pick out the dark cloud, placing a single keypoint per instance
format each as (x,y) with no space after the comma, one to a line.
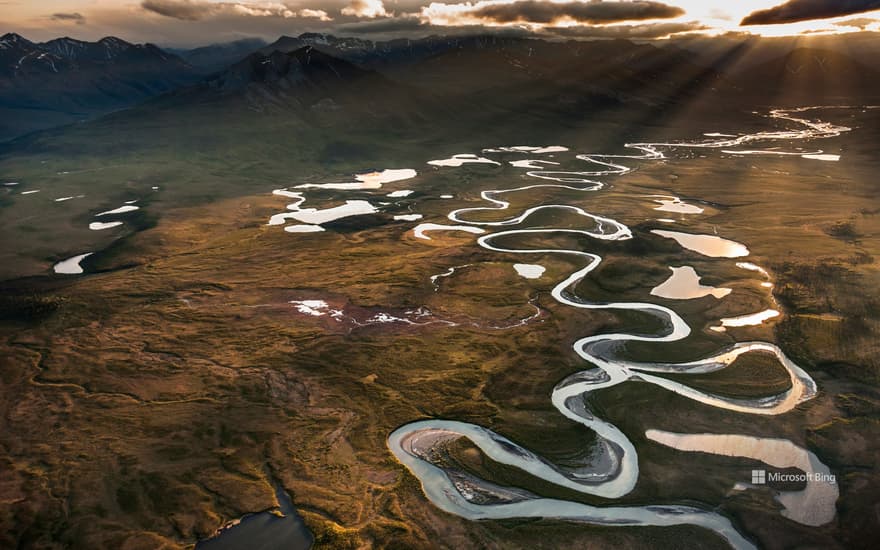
(196,10)
(69,17)
(414,27)
(185,10)
(536,11)
(629,32)
(805,10)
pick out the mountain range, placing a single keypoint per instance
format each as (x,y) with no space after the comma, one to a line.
(304,82)
(66,80)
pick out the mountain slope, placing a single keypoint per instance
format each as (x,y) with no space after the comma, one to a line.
(217,57)
(20,57)
(303,82)
(808,75)
(389,54)
(463,65)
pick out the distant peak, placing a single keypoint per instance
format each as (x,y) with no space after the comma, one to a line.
(15,41)
(13,37)
(113,41)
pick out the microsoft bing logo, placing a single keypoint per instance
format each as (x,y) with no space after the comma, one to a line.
(761,477)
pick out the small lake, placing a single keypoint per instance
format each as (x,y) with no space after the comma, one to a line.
(264,530)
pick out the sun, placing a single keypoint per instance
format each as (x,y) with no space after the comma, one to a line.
(724,16)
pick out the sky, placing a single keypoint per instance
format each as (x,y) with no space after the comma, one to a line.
(197,22)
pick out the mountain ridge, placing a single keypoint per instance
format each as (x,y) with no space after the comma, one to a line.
(66,80)
(479,73)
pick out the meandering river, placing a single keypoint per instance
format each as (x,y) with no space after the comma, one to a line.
(613,468)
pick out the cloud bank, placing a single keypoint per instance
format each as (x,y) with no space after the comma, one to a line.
(195,10)
(805,10)
(537,12)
